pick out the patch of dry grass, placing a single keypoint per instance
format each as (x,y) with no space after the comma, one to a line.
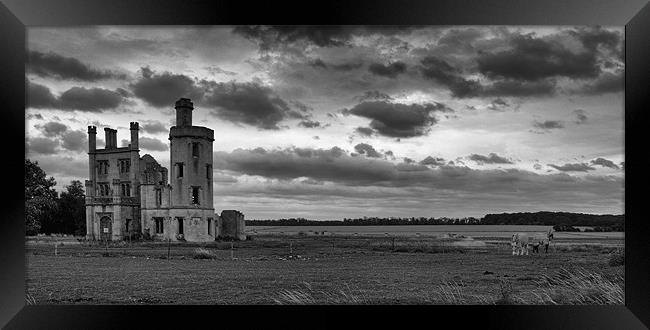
(579,287)
(307,295)
(202,253)
(617,258)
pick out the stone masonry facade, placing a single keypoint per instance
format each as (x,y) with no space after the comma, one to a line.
(128,195)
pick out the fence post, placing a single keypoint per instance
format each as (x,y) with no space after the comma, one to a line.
(232,251)
(290,248)
(169,246)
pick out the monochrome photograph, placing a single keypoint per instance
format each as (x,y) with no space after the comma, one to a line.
(325,165)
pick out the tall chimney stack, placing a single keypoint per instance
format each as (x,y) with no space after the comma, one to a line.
(92,138)
(134,135)
(107,138)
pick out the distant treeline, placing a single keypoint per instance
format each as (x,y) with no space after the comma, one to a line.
(601,222)
(554,218)
(365,221)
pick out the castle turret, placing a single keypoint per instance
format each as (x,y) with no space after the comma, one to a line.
(184,108)
(191,175)
(191,159)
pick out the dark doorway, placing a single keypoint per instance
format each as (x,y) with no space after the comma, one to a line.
(180,225)
(105,228)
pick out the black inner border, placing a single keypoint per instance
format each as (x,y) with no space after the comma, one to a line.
(16,15)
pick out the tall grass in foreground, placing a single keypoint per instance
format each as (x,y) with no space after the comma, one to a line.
(307,295)
(566,287)
(579,287)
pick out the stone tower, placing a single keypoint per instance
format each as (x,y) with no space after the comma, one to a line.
(191,174)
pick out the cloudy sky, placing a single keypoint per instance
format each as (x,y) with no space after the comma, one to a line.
(352,121)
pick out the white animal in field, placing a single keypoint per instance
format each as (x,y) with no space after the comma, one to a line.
(522,243)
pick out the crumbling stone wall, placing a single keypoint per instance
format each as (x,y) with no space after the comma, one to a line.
(232,225)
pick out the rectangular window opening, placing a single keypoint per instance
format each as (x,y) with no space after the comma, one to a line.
(208,171)
(209,226)
(124,165)
(195,149)
(103,166)
(195,195)
(180,170)
(180,225)
(159,225)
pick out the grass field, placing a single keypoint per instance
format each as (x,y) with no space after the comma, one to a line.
(339,269)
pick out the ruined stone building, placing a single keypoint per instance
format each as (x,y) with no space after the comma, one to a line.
(128,195)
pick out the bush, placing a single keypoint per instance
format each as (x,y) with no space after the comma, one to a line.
(202,253)
(617,258)
(565,228)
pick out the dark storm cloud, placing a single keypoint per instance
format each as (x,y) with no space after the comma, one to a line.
(437,69)
(271,37)
(368,150)
(578,167)
(43,146)
(592,37)
(517,88)
(163,89)
(246,103)
(534,59)
(374,96)
(33,116)
(350,172)
(39,96)
(151,144)
(498,105)
(154,126)
(250,103)
(548,124)
(217,70)
(390,70)
(604,162)
(605,83)
(89,99)
(492,158)
(75,98)
(268,37)
(437,161)
(74,140)
(61,67)
(581,116)
(52,128)
(310,124)
(319,63)
(442,72)
(399,120)
(364,131)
